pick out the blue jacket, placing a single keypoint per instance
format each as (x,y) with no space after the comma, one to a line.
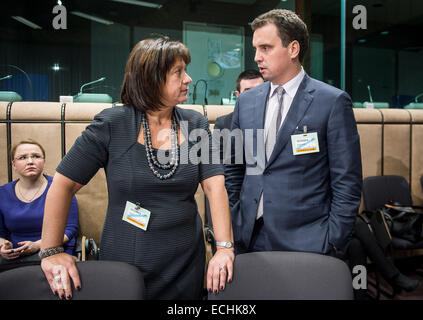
(310,201)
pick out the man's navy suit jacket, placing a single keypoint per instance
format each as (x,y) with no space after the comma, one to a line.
(224,122)
(310,201)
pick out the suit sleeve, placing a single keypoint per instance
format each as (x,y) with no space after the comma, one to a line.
(234,172)
(217,138)
(345,171)
(218,124)
(210,167)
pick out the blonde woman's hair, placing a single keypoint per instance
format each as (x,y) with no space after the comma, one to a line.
(25,141)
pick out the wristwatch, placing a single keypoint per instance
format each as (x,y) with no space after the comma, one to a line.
(50,252)
(226,244)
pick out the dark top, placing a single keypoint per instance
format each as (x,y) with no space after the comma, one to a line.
(221,123)
(171,252)
(224,122)
(23,221)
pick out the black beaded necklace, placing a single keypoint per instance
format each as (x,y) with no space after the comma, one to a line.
(151,157)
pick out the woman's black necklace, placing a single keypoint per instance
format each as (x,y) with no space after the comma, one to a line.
(151,157)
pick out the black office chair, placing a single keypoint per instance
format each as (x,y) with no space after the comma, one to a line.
(379,190)
(421,181)
(101,280)
(276,275)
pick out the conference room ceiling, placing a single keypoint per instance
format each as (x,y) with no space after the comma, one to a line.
(391,23)
(40,11)
(170,16)
(387,11)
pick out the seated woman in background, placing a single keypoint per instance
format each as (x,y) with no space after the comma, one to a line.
(22,208)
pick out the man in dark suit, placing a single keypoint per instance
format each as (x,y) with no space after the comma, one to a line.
(301,175)
(246,80)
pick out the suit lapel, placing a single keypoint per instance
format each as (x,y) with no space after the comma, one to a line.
(260,106)
(258,113)
(299,106)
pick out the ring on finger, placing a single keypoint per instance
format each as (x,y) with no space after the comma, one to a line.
(222,269)
(57,278)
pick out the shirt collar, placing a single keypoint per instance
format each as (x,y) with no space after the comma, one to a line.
(291,86)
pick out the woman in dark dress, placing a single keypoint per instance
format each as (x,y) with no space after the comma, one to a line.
(149,152)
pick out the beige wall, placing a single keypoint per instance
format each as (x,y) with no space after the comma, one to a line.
(391,143)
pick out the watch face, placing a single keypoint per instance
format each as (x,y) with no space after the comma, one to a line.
(226,244)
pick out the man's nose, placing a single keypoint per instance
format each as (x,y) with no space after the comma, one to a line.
(257,57)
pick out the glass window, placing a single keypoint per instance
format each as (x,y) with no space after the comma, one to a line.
(325,45)
(50,54)
(385,61)
(46,54)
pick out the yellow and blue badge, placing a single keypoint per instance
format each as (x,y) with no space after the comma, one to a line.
(136,215)
(305,143)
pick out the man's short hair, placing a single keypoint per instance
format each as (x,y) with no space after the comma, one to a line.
(290,27)
(247,75)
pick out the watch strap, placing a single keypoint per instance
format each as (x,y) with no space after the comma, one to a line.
(226,244)
(50,252)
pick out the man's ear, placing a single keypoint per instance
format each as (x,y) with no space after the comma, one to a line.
(294,49)
(237,93)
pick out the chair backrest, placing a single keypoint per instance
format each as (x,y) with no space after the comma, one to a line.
(279,275)
(101,280)
(379,190)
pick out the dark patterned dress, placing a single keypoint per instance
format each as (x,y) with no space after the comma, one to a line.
(170,253)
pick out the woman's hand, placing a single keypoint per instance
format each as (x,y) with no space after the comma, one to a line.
(7,252)
(57,269)
(220,269)
(28,247)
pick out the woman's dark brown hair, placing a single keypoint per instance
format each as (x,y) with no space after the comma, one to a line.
(146,69)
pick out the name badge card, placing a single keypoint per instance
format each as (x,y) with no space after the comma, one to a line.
(305,143)
(136,215)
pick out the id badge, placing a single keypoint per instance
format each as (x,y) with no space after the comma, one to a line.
(136,215)
(305,143)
